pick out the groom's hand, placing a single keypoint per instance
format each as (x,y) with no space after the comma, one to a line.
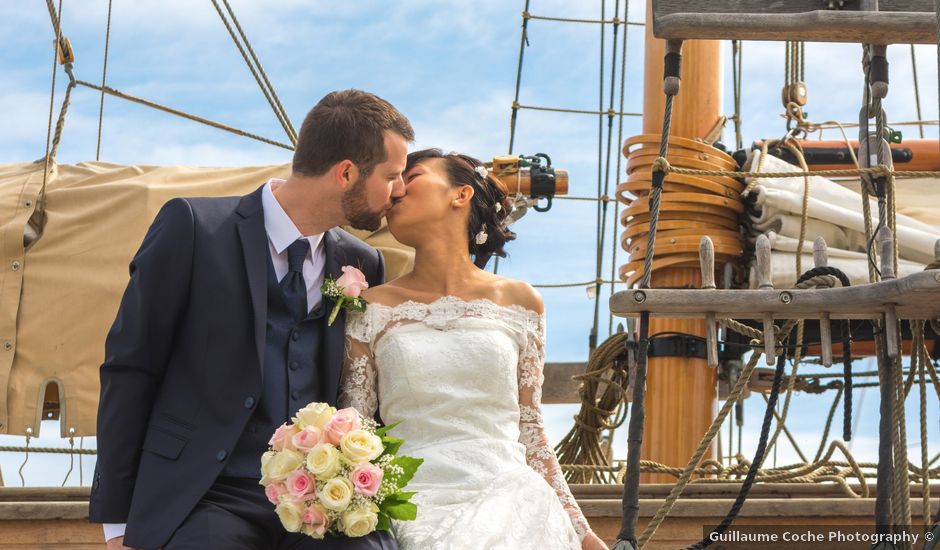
(117,543)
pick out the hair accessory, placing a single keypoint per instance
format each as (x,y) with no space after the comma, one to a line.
(482,236)
(482,171)
(499,207)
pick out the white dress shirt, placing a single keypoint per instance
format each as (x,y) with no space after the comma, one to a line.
(281,233)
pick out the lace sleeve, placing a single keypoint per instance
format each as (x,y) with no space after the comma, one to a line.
(359,384)
(539,454)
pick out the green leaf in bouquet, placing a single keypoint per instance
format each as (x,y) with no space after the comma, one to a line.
(392,444)
(385,524)
(402,511)
(409,465)
(382,430)
(400,496)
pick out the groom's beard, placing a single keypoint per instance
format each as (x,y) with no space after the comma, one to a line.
(356,207)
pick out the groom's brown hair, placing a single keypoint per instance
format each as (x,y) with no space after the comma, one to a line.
(347,125)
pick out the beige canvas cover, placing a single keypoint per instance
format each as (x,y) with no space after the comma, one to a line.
(59,295)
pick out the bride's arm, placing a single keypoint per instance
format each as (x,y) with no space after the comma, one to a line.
(358,386)
(539,454)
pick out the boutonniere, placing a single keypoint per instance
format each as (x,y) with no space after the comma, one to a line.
(345,291)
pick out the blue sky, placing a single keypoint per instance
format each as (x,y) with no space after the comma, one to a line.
(449,66)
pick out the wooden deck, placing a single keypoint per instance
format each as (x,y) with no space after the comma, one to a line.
(57,518)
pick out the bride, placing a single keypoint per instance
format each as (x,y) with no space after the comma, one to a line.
(456,354)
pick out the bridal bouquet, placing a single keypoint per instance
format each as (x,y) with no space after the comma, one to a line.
(335,471)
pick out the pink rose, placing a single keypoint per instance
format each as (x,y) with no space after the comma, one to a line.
(366,478)
(281,439)
(352,281)
(299,484)
(274,491)
(315,521)
(343,421)
(305,439)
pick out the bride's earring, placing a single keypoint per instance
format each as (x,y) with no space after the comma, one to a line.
(482,236)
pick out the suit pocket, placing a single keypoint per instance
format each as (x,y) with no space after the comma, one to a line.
(163,443)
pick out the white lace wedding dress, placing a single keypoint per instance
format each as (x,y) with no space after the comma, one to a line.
(464,378)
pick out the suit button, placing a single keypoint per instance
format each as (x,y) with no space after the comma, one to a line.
(220,456)
(295,395)
(249,402)
(294,365)
(294,336)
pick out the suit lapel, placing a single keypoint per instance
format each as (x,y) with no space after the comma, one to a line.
(254,243)
(334,342)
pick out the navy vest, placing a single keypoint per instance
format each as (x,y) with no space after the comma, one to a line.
(290,378)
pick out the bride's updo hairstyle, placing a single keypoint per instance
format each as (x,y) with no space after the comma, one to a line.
(489,208)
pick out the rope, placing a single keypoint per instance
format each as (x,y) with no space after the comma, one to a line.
(603,392)
(523,41)
(40,203)
(786,431)
(194,118)
(52,450)
(656,191)
(616,217)
(920,127)
(758,459)
(615,21)
(705,444)
(601,180)
(104,81)
(920,350)
(609,112)
(663,165)
(737,72)
(258,73)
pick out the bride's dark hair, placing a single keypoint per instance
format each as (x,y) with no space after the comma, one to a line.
(489,207)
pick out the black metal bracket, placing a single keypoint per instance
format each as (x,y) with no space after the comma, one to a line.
(677,345)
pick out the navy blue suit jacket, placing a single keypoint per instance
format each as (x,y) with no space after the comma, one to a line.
(182,366)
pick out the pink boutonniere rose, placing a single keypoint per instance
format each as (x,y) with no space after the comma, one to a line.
(345,291)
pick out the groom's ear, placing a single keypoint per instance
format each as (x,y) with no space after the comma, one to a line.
(345,173)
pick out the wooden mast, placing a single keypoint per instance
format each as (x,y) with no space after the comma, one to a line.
(680,391)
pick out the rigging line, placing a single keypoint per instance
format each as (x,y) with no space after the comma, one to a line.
(603,204)
(40,203)
(616,20)
(600,219)
(616,217)
(264,75)
(737,52)
(516,105)
(920,127)
(280,116)
(585,283)
(172,111)
(523,42)
(104,81)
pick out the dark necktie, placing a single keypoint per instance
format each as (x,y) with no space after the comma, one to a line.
(292,285)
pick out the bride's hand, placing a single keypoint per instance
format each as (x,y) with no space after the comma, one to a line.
(592,542)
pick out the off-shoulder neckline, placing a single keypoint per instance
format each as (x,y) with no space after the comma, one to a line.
(451,298)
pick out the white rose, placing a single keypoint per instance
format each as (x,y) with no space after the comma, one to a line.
(336,494)
(314,414)
(323,460)
(289,514)
(361,446)
(266,467)
(359,522)
(281,465)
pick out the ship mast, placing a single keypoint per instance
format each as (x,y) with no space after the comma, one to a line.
(680,391)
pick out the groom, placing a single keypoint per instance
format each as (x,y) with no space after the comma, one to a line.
(221,336)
